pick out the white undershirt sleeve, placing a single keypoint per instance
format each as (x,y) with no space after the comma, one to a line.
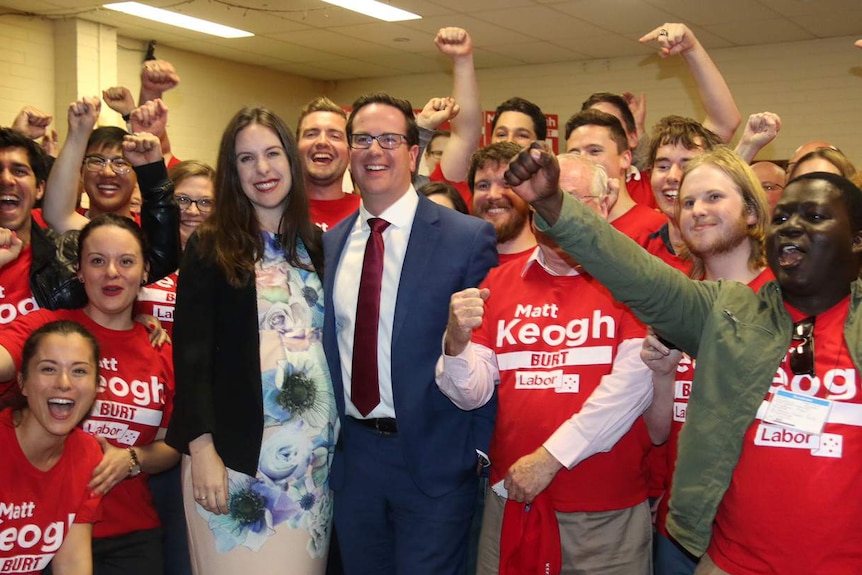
(610,411)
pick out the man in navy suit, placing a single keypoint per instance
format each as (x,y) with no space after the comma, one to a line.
(405,468)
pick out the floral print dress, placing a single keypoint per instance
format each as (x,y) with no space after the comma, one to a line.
(279,520)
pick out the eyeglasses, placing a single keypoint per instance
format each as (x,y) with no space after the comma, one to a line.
(580,198)
(386,141)
(119,166)
(802,347)
(204,205)
(435,153)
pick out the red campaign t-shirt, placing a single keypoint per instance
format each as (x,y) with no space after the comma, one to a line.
(462,187)
(682,391)
(640,190)
(326,214)
(159,299)
(554,338)
(639,223)
(135,399)
(517,256)
(794,503)
(37,508)
(16,299)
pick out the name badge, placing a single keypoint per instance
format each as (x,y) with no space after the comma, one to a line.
(798,411)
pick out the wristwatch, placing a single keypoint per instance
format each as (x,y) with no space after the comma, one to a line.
(134,464)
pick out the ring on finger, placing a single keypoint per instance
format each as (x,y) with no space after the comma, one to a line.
(662,32)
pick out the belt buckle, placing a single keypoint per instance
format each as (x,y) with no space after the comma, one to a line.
(379,429)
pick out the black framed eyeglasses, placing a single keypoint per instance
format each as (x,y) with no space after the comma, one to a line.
(802,347)
(386,141)
(119,166)
(204,205)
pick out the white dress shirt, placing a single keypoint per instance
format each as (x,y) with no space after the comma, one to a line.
(395,238)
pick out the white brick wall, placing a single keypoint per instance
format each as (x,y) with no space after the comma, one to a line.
(815,86)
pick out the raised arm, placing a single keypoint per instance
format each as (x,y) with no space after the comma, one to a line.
(466,373)
(152,117)
(457,45)
(658,294)
(32,122)
(722,115)
(159,212)
(61,192)
(760,130)
(120,100)
(157,77)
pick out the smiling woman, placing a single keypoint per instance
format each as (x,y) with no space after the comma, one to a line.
(47,461)
(134,400)
(257,424)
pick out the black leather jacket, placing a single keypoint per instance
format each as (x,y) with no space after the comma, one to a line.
(53,272)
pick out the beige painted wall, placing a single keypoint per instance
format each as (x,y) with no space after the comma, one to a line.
(815,86)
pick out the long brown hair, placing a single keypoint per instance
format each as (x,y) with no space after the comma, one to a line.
(231,235)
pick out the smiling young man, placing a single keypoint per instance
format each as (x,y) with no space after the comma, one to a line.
(600,137)
(404,473)
(321,136)
(723,215)
(495,203)
(777,493)
(674,142)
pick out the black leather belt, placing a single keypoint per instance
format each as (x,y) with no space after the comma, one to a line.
(384,425)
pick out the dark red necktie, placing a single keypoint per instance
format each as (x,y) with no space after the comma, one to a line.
(364,387)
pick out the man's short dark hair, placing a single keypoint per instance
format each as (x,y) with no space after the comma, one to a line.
(107,137)
(319,104)
(383,98)
(680,131)
(851,195)
(617,102)
(496,153)
(593,117)
(517,104)
(10,138)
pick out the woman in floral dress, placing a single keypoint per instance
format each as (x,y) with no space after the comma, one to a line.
(254,409)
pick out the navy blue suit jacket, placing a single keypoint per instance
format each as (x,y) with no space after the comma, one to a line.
(447,252)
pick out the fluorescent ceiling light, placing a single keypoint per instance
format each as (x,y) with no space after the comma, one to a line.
(176,19)
(376,9)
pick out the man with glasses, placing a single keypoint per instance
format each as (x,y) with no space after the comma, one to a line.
(108,162)
(572,387)
(405,468)
(772,178)
(777,493)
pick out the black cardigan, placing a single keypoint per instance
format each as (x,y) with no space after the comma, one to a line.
(217,363)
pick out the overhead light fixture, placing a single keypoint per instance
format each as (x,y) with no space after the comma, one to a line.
(375,9)
(176,19)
